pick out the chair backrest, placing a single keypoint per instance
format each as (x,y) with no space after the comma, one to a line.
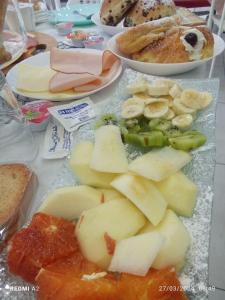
(192,3)
(220,31)
(211,14)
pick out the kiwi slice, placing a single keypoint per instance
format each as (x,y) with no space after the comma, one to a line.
(144,124)
(188,142)
(132,125)
(160,124)
(173,132)
(146,139)
(106,119)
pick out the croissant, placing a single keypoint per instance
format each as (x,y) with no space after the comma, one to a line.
(178,45)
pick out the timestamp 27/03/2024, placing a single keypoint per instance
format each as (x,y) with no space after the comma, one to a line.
(174,288)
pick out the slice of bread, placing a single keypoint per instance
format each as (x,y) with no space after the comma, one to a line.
(16,191)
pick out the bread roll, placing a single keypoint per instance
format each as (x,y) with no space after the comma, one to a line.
(149,10)
(181,44)
(112,11)
(139,37)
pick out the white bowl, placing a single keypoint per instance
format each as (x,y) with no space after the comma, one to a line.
(110,30)
(164,69)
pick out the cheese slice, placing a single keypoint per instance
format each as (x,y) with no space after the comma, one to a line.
(34,78)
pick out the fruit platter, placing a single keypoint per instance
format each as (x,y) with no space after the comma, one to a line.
(131,207)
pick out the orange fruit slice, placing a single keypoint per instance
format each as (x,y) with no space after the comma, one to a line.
(156,285)
(64,280)
(44,241)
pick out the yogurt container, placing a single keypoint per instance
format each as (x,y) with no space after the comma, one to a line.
(77,38)
(36,114)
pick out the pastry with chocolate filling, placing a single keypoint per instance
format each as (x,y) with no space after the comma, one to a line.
(113,11)
(149,10)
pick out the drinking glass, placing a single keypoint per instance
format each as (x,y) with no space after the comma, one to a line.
(16,139)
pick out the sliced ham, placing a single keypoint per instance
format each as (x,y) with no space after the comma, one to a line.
(62,82)
(89,72)
(79,62)
(105,78)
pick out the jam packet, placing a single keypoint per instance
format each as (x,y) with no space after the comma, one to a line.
(74,114)
(57,142)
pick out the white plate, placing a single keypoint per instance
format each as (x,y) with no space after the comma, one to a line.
(15,45)
(164,69)
(43,59)
(110,30)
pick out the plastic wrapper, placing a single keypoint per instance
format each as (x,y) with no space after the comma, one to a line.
(12,219)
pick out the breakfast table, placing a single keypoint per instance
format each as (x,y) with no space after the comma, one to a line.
(51,168)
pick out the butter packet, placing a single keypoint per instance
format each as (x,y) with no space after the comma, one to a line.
(74,114)
(57,141)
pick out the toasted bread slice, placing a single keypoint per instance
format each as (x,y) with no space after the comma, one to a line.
(16,189)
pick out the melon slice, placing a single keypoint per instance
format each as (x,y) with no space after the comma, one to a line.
(177,241)
(109,154)
(143,193)
(136,254)
(180,193)
(99,229)
(80,165)
(160,164)
(70,202)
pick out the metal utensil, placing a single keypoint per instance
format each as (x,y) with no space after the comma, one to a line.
(76,12)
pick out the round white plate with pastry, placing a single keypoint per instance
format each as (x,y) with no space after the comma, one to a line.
(54,75)
(14,47)
(165,48)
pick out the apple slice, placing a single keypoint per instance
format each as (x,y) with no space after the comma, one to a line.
(136,254)
(79,162)
(109,154)
(180,193)
(143,193)
(160,164)
(177,241)
(99,228)
(70,202)
(110,195)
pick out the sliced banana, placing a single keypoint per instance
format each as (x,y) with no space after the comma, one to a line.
(141,96)
(158,90)
(180,108)
(190,98)
(196,100)
(138,86)
(156,110)
(175,91)
(183,121)
(168,82)
(170,100)
(170,114)
(132,111)
(205,99)
(133,101)
(153,100)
